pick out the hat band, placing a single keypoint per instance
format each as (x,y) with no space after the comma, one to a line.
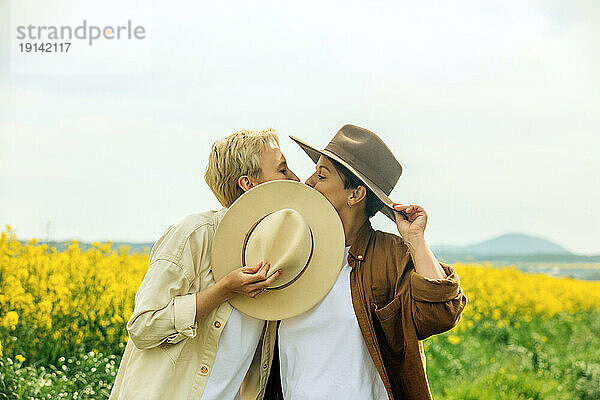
(312,247)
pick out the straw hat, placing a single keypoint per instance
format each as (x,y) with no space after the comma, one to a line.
(291,226)
(367,157)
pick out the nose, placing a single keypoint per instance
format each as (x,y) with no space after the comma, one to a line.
(311,181)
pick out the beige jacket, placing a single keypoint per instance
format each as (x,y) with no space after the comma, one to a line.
(169,355)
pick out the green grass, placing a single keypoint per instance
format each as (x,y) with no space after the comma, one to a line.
(554,359)
(83,376)
(550,359)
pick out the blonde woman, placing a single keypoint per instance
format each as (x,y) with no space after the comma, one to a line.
(185,340)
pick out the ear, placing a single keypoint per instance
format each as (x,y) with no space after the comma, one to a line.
(357,195)
(245,182)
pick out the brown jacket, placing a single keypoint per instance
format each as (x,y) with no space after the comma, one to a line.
(396,308)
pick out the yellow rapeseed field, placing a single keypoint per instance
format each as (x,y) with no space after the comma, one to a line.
(512,297)
(53,302)
(65,298)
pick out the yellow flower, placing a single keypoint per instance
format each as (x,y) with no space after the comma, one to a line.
(10,320)
(19,358)
(496,314)
(454,339)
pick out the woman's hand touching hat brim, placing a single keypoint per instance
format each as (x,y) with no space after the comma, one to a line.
(410,220)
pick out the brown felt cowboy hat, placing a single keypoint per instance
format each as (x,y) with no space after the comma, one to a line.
(294,228)
(367,157)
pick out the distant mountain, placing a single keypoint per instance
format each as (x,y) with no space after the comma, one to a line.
(133,247)
(511,248)
(514,244)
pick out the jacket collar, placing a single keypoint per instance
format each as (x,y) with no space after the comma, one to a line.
(358,248)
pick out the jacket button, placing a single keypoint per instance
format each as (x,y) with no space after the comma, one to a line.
(217,324)
(204,370)
(265,366)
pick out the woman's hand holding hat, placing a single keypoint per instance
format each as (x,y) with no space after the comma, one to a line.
(412,228)
(249,281)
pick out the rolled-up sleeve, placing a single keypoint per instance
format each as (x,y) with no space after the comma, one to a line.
(164,310)
(184,312)
(437,304)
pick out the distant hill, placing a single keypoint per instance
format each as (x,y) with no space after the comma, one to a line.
(509,244)
(508,259)
(144,247)
(511,247)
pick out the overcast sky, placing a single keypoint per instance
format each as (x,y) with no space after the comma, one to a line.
(492,108)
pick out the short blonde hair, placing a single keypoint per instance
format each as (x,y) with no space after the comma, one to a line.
(238,154)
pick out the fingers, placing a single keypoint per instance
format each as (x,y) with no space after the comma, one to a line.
(408,208)
(414,209)
(264,269)
(270,280)
(400,216)
(399,206)
(258,272)
(264,284)
(260,275)
(252,280)
(252,269)
(407,214)
(257,288)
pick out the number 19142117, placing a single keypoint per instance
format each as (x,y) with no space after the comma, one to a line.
(44,47)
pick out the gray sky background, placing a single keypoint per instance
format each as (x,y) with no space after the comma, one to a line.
(492,108)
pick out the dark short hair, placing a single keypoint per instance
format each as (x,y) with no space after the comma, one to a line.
(351,181)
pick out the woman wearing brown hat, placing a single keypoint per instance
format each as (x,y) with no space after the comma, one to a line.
(363,340)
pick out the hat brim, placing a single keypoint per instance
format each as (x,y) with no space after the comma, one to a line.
(314,154)
(324,266)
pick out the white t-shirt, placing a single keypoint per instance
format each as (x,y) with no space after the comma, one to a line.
(236,348)
(323,354)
